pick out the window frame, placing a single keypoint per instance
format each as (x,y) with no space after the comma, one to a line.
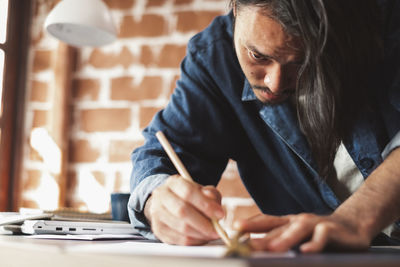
(16,49)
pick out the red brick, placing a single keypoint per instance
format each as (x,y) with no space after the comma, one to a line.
(100,177)
(39,91)
(119,4)
(120,151)
(171,56)
(78,204)
(146,56)
(72,183)
(105,120)
(86,89)
(182,2)
(123,88)
(72,179)
(42,60)
(103,60)
(99,59)
(31,204)
(36,38)
(32,180)
(149,26)
(39,118)
(146,115)
(195,20)
(156,3)
(126,58)
(82,151)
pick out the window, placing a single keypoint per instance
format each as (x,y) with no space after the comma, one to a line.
(3,20)
(1,78)
(15,19)
(3,36)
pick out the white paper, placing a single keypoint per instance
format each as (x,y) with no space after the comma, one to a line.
(88,237)
(160,249)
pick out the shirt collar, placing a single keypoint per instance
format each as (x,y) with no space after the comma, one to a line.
(248,93)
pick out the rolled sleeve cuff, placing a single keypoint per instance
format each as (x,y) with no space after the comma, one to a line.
(393,144)
(138,200)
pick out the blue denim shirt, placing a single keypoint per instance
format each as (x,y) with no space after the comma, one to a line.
(213,116)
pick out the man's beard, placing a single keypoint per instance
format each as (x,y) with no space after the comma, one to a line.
(283,96)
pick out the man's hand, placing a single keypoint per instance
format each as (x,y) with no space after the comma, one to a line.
(317,233)
(352,226)
(179,212)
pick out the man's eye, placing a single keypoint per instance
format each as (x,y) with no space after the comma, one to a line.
(256,56)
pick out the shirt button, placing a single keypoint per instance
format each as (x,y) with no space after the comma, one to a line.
(366,163)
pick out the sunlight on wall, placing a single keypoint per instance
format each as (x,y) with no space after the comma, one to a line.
(90,191)
(46,195)
(44,144)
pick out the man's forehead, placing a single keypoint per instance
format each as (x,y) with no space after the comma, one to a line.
(259,30)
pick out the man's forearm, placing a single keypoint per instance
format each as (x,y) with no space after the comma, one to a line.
(376,204)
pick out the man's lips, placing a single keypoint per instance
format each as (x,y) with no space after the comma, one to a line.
(270,96)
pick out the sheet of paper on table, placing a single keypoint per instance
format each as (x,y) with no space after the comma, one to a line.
(88,237)
(160,249)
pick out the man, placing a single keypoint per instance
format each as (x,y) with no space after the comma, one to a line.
(305,97)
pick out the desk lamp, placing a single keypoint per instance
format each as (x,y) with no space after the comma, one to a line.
(81,23)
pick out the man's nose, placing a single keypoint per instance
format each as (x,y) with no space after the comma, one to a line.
(274,78)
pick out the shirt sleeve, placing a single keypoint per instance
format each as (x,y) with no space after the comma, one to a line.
(199,122)
(138,200)
(393,144)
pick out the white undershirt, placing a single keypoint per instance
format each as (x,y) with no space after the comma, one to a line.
(348,179)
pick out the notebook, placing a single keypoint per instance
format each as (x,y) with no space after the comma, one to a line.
(77,227)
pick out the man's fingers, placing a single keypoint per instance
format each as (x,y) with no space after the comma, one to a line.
(328,235)
(211,192)
(319,239)
(283,238)
(180,225)
(260,223)
(284,233)
(299,229)
(193,194)
(180,211)
(263,244)
(333,236)
(168,235)
(187,216)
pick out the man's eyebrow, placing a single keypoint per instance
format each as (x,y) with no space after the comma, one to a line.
(254,49)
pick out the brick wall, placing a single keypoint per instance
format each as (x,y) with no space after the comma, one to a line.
(116,91)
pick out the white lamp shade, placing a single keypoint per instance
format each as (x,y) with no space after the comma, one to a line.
(81,23)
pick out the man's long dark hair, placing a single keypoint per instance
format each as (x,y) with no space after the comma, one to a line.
(342,46)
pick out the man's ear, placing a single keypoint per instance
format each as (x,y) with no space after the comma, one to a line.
(234,8)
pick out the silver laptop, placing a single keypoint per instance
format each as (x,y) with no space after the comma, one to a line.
(77,227)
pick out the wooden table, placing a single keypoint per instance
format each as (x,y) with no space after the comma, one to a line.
(19,251)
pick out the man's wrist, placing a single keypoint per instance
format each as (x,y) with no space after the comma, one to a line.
(350,218)
(146,210)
